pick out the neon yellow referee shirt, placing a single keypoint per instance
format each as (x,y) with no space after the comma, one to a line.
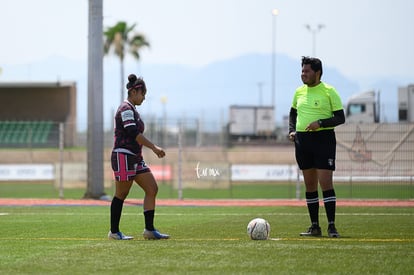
(313,103)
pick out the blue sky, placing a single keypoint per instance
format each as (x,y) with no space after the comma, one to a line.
(368,41)
(360,38)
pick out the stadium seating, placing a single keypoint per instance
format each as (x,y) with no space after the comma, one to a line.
(27,133)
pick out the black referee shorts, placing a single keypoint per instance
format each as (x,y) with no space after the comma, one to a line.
(316,149)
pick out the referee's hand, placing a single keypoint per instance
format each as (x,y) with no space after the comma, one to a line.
(313,126)
(292,136)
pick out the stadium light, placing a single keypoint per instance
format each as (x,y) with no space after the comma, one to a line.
(275,12)
(314,31)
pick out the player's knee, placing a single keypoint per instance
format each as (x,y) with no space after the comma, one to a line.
(122,194)
(153,191)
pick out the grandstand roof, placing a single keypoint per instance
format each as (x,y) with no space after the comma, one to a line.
(37,84)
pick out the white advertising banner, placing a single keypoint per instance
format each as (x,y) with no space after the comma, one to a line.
(255,172)
(27,172)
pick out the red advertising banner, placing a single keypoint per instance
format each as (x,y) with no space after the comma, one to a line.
(161,172)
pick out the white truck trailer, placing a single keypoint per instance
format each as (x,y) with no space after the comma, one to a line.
(406,103)
(251,122)
(363,108)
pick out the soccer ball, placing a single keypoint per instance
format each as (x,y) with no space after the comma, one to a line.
(258,229)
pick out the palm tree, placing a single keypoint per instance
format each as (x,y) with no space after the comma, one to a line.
(118,38)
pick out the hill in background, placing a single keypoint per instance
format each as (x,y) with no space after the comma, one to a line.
(203,92)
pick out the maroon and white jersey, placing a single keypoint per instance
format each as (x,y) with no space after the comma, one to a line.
(128,125)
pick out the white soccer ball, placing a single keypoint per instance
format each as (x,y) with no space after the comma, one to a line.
(258,229)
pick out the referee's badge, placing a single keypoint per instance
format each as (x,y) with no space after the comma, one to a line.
(330,162)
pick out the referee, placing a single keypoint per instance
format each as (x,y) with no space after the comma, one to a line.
(316,110)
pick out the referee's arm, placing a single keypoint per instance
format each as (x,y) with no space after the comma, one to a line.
(292,120)
(337,119)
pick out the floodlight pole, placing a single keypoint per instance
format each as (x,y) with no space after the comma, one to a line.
(314,31)
(95,180)
(275,13)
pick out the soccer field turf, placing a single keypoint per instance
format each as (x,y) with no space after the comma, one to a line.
(206,240)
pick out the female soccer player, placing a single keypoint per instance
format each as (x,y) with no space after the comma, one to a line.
(128,164)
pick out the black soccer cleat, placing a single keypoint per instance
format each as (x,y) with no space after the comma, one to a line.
(332,233)
(313,231)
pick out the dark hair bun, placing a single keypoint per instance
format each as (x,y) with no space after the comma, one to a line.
(132,78)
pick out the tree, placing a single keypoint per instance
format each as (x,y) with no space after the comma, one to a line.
(118,37)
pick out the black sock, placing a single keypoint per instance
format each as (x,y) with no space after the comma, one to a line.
(116,210)
(312,200)
(329,200)
(149,219)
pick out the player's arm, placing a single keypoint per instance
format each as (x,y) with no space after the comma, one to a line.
(131,129)
(141,139)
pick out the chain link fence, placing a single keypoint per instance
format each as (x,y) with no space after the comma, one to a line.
(200,156)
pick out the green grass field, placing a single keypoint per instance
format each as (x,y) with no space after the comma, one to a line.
(244,191)
(205,240)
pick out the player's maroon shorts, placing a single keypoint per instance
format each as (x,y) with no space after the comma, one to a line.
(127,166)
(315,149)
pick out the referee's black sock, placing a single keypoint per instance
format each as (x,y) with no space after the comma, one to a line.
(329,200)
(116,210)
(149,219)
(312,201)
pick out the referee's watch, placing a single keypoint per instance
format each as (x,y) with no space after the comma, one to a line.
(320,123)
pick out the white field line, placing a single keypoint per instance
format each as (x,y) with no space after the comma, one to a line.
(205,214)
(303,239)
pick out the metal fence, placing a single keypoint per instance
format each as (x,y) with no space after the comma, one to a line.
(199,156)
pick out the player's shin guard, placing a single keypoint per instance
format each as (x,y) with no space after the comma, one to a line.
(329,200)
(312,201)
(149,219)
(116,210)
